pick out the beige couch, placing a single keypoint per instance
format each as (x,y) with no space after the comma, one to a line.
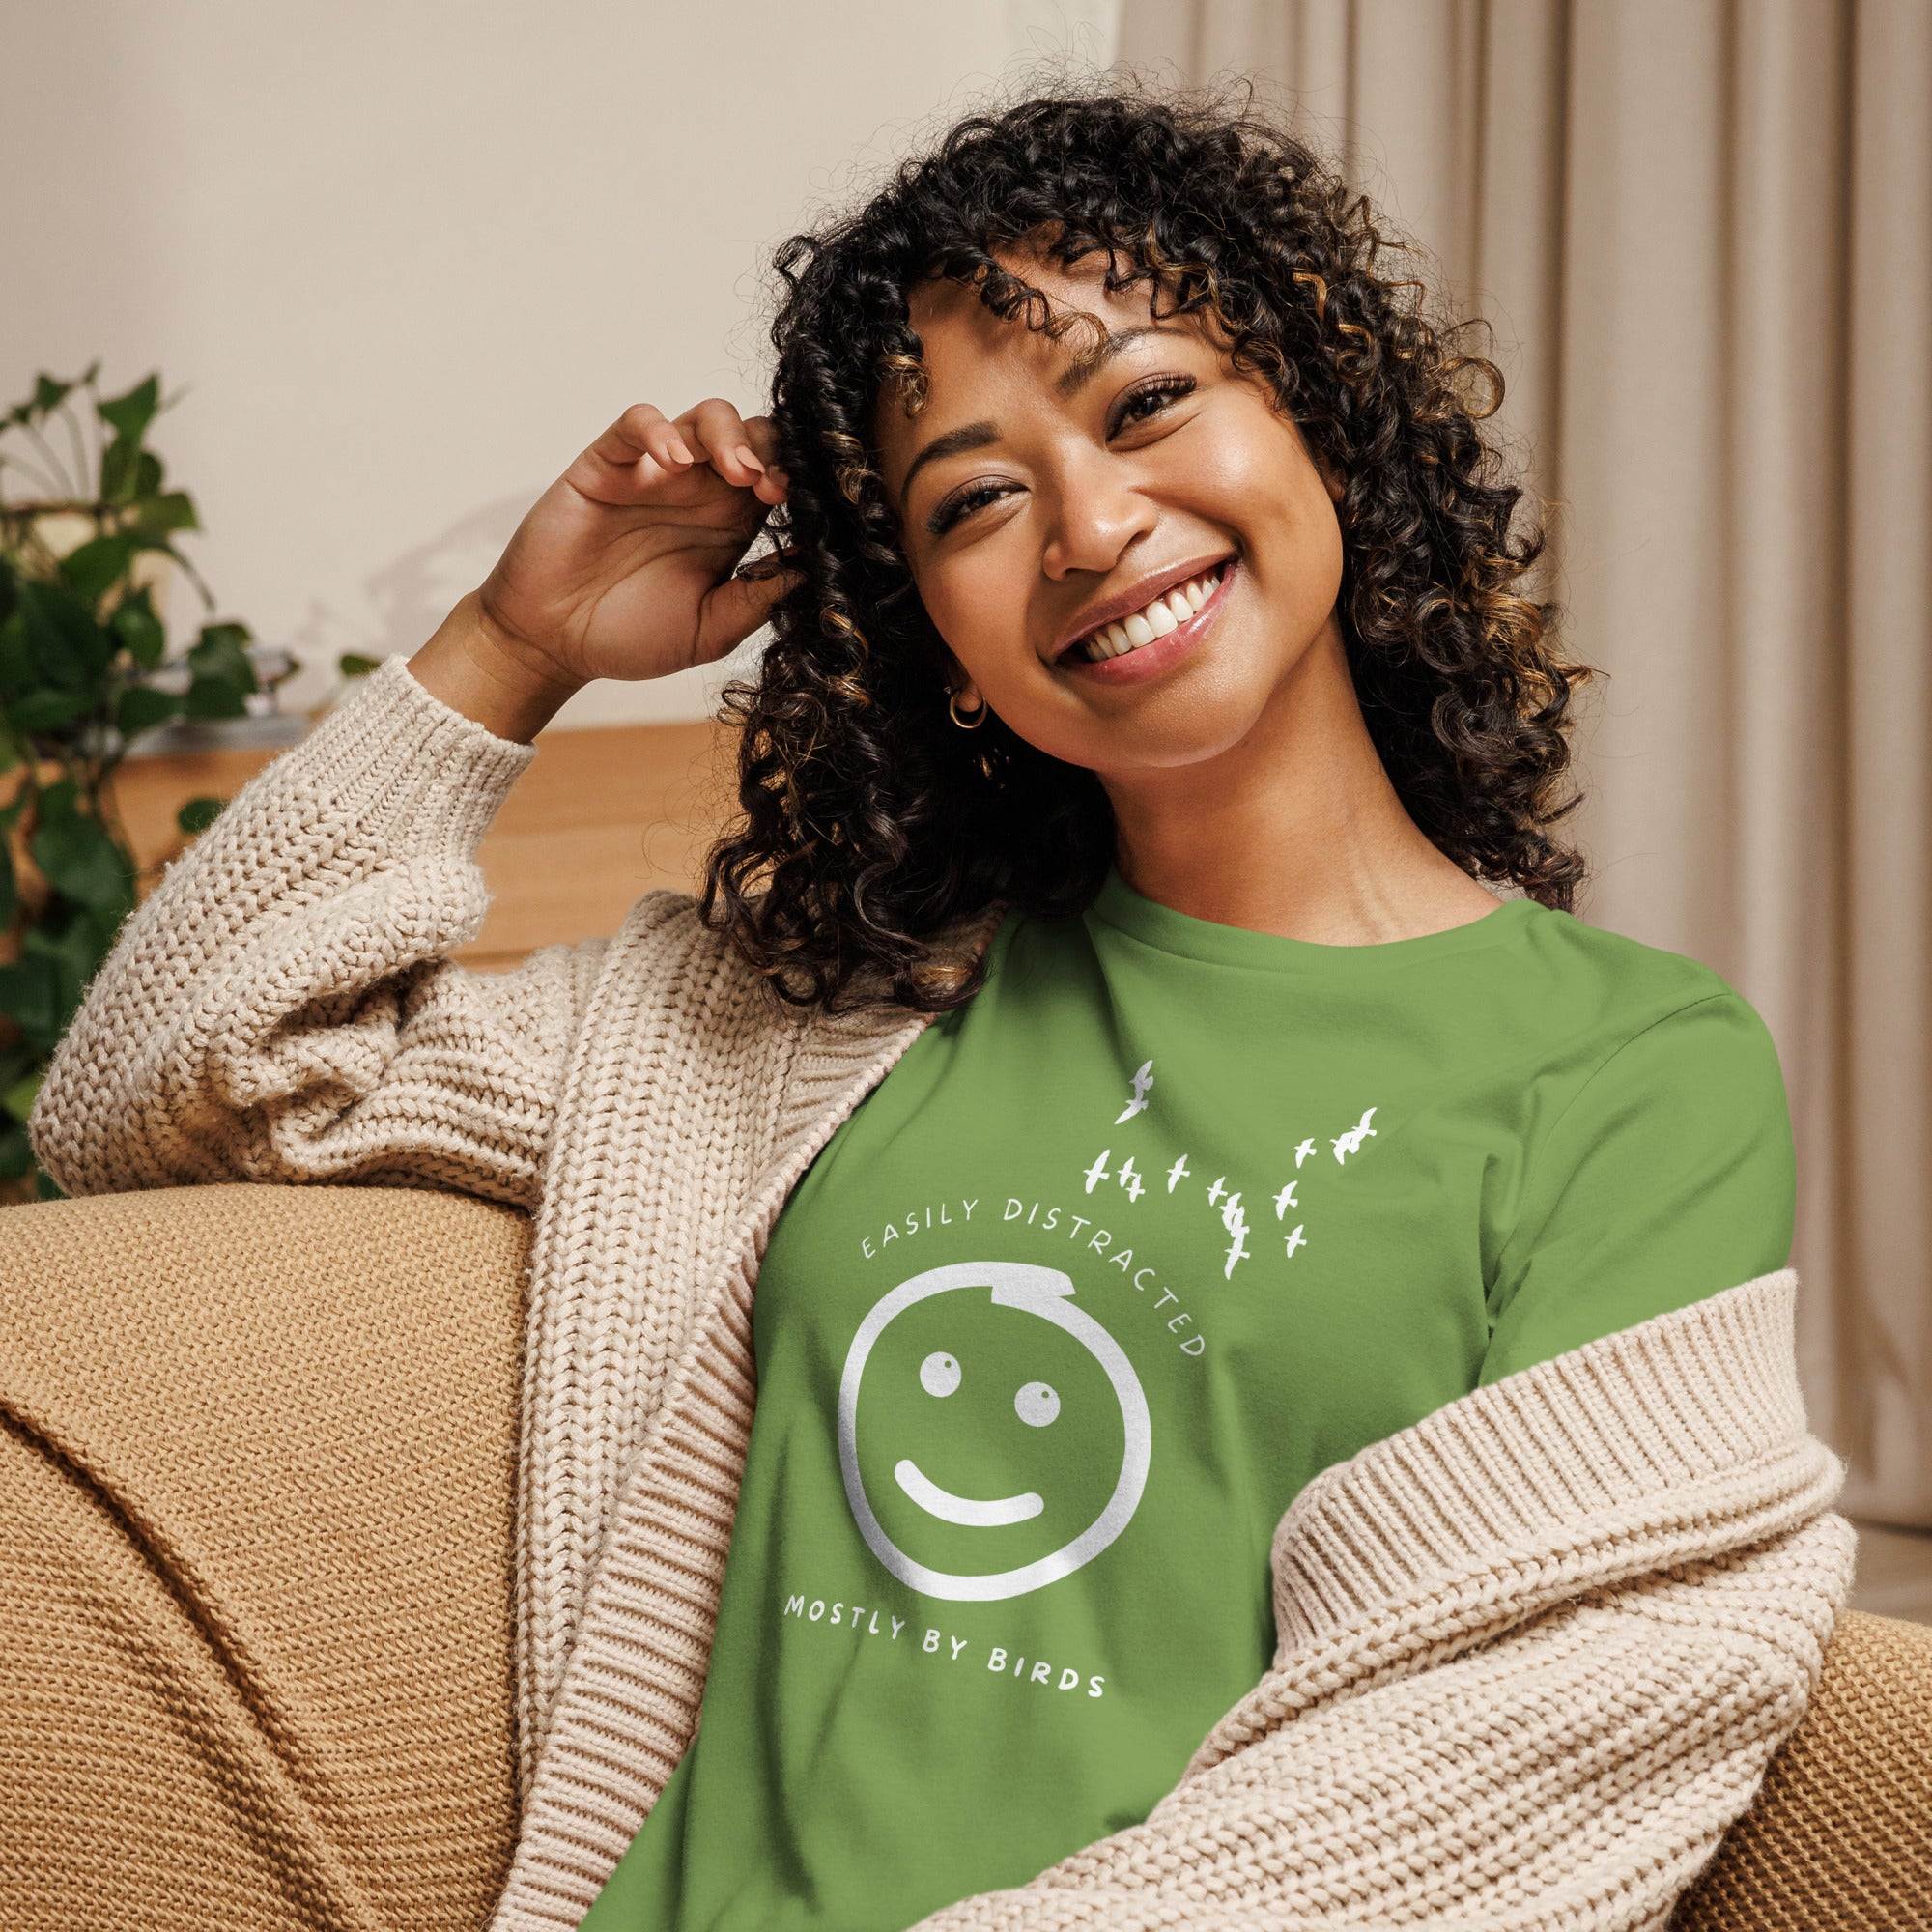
(256,1502)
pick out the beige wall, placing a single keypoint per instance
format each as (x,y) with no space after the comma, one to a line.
(406,259)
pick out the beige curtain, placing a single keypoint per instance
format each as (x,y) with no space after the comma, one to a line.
(1704,234)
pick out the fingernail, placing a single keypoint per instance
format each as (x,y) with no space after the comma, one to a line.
(750,461)
(679,453)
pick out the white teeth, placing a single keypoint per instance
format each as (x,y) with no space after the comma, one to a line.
(1165,614)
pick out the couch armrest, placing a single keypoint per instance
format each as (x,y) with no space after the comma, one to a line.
(1841,1834)
(257,1484)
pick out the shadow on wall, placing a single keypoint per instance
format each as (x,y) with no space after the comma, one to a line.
(408,598)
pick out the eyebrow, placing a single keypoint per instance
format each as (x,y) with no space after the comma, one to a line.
(1091,365)
(954,442)
(978,435)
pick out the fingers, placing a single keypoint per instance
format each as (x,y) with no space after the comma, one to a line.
(762,434)
(744,453)
(635,455)
(641,431)
(739,605)
(644,448)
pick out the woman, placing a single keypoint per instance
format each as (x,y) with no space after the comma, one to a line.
(1157,1147)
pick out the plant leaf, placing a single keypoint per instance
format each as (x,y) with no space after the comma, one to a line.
(137,627)
(215,698)
(130,415)
(222,650)
(351,664)
(93,569)
(19,1098)
(17,1153)
(173,511)
(16,661)
(141,708)
(198,814)
(67,645)
(49,395)
(10,896)
(78,857)
(45,710)
(223,676)
(67,959)
(121,470)
(30,997)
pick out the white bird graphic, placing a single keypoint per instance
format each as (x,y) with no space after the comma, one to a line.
(1176,1174)
(1285,1200)
(1097,1172)
(1303,1153)
(1297,1240)
(1352,1142)
(1143,1080)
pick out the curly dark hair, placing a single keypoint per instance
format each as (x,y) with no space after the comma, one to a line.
(869,823)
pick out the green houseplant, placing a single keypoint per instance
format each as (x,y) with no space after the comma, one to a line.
(88,530)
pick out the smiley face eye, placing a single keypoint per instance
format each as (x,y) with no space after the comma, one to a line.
(1037,1405)
(939,1374)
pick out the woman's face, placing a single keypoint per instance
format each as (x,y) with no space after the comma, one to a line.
(1062,500)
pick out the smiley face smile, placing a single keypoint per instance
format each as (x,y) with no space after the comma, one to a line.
(949,1508)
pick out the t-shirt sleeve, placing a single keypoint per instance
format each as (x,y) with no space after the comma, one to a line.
(1667,1179)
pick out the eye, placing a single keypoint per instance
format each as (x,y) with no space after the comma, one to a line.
(939,1374)
(1146,399)
(1037,1405)
(962,502)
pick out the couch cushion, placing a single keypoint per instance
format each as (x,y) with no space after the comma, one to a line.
(1840,1836)
(256,1522)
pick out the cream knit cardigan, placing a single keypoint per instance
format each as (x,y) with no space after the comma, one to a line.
(1534,1652)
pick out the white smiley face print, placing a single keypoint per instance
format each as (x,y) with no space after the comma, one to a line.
(1055,1435)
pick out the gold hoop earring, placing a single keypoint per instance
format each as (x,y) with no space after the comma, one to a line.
(969,724)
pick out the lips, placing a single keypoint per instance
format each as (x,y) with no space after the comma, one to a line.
(1096,655)
(1159,616)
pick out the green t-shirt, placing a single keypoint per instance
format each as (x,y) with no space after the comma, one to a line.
(1169,1218)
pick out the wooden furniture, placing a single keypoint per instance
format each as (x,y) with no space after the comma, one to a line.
(602,816)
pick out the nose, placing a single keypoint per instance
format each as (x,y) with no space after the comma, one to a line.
(1095,512)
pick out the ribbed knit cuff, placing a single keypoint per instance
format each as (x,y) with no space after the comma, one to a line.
(407,766)
(1624,1421)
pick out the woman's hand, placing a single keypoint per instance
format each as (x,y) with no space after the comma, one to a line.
(623,568)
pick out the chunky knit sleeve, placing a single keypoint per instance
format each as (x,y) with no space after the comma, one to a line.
(1535,1655)
(282,1008)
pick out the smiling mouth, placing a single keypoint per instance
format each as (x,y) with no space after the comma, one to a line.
(1160,617)
(949,1508)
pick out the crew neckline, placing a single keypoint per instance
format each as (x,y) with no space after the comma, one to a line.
(1119,906)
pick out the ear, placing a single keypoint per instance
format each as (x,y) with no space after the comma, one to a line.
(957,681)
(1333,480)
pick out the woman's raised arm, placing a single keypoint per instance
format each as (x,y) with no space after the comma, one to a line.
(283,1006)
